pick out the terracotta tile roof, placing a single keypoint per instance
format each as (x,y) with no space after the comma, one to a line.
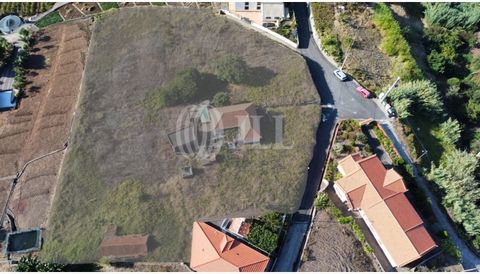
(404,212)
(356,196)
(130,246)
(237,116)
(214,251)
(421,239)
(380,194)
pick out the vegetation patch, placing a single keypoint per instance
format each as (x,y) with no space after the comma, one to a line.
(264,232)
(395,45)
(108,5)
(51,18)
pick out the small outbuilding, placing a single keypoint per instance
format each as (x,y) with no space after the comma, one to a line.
(10,24)
(7,100)
(25,241)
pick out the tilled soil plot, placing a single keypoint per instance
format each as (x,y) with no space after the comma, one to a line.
(333,248)
(43,120)
(120,169)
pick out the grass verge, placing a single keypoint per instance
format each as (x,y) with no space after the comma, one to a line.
(51,18)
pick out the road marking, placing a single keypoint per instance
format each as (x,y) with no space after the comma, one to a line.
(327,106)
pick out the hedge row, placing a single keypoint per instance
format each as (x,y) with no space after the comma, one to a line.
(395,45)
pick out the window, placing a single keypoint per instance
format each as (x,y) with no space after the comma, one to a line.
(259,5)
(246,7)
(276,17)
(268,17)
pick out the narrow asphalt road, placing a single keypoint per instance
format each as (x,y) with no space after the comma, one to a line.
(340,101)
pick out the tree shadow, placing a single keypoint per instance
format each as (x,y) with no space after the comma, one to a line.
(259,76)
(267,126)
(44,38)
(34,89)
(82,267)
(209,85)
(36,61)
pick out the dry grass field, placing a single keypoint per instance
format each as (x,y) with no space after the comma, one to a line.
(120,169)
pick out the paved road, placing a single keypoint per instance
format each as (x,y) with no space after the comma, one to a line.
(339,100)
(469,259)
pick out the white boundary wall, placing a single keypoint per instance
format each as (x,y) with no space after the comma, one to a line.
(263,30)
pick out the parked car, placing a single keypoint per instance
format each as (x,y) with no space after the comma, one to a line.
(340,74)
(364,92)
(390,110)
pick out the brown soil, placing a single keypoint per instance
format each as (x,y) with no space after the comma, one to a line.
(70,12)
(42,122)
(333,248)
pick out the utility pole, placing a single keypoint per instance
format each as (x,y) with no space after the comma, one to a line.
(394,85)
(348,52)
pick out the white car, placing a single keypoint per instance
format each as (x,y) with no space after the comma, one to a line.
(340,74)
(390,110)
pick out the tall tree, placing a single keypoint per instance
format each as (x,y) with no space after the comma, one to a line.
(450,131)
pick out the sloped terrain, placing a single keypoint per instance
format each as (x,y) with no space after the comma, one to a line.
(120,169)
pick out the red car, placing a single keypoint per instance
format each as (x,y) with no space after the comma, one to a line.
(364,92)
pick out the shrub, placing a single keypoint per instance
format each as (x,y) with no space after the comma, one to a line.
(232,69)
(33,264)
(264,232)
(321,201)
(324,17)
(184,88)
(221,99)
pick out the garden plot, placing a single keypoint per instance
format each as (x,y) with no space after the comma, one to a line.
(120,169)
(43,121)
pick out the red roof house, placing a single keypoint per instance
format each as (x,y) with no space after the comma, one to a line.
(214,251)
(378,194)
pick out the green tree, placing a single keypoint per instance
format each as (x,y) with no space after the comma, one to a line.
(450,131)
(418,94)
(183,89)
(451,15)
(33,264)
(232,69)
(221,99)
(456,177)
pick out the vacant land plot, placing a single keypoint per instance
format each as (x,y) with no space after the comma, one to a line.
(334,248)
(43,121)
(120,169)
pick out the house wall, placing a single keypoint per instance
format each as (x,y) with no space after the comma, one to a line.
(340,193)
(273,11)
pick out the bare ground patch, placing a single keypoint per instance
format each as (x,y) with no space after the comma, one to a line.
(334,248)
(32,131)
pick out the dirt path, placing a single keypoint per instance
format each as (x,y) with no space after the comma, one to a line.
(334,248)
